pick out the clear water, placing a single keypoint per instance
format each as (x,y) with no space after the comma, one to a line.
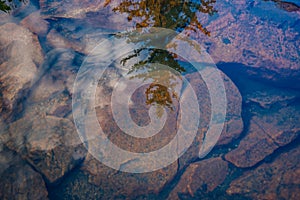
(255,43)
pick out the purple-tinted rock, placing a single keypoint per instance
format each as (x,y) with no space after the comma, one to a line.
(48,143)
(276,180)
(36,24)
(67,9)
(203,175)
(259,43)
(20,64)
(56,40)
(20,181)
(107,183)
(268,130)
(233,125)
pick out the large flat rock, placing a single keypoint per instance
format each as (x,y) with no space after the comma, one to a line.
(45,135)
(20,65)
(233,124)
(94,180)
(48,143)
(274,124)
(204,175)
(278,179)
(20,181)
(36,24)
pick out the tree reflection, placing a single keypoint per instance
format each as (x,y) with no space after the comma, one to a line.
(9,5)
(159,94)
(162,90)
(172,14)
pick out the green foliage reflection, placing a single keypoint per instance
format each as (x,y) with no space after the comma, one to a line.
(172,14)
(9,5)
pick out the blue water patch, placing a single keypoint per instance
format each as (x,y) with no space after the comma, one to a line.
(268,11)
(226,41)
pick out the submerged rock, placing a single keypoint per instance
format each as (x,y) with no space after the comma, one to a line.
(288,6)
(56,40)
(20,65)
(139,114)
(279,179)
(45,136)
(95,180)
(266,45)
(59,79)
(233,125)
(36,24)
(69,9)
(274,124)
(204,175)
(237,31)
(48,143)
(20,181)
(135,185)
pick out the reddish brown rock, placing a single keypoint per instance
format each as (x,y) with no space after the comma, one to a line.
(20,181)
(20,66)
(253,148)
(127,184)
(36,24)
(56,40)
(67,9)
(288,6)
(234,31)
(92,13)
(44,136)
(232,129)
(48,143)
(134,185)
(260,44)
(276,180)
(139,114)
(59,79)
(203,175)
(270,96)
(233,125)
(107,183)
(267,132)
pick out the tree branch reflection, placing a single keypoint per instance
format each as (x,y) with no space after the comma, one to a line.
(172,14)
